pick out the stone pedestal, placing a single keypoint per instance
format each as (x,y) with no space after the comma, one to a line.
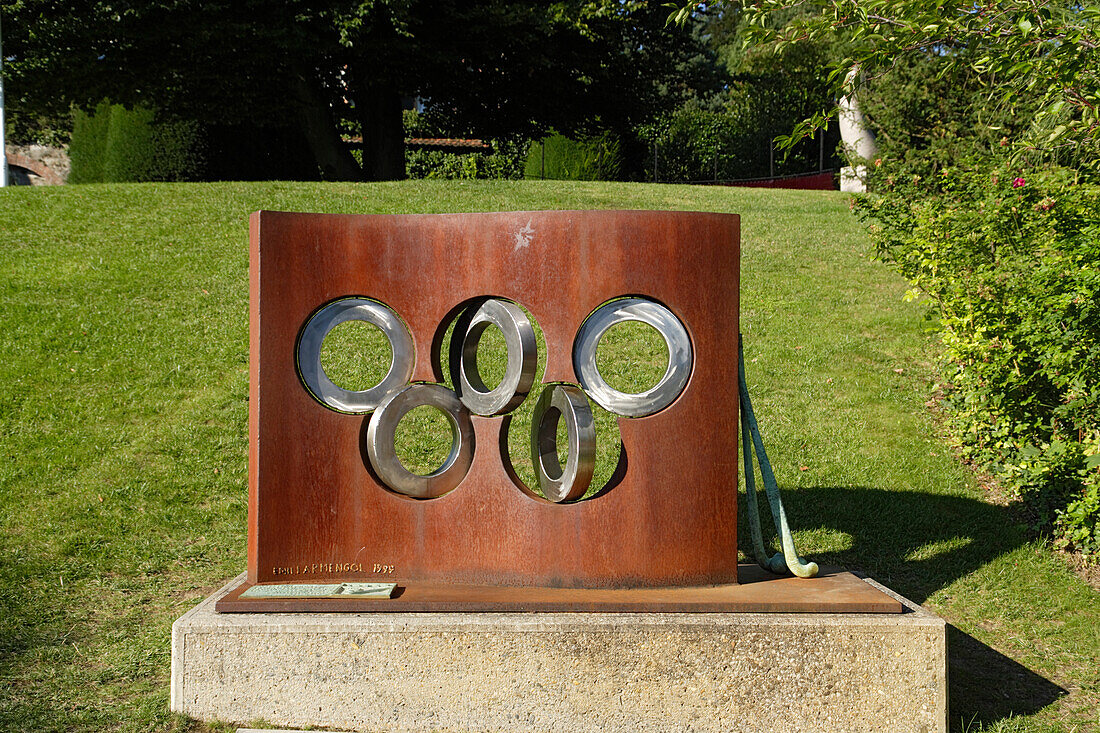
(564,671)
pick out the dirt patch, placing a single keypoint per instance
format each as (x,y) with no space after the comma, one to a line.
(1088,570)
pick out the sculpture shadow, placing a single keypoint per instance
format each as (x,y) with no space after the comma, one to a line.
(984,686)
(914,542)
(917,543)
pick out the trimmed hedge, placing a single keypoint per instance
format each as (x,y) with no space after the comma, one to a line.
(557,157)
(115,144)
(505,162)
(735,142)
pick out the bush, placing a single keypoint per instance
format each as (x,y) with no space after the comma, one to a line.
(115,144)
(51,130)
(505,162)
(88,144)
(557,157)
(1011,260)
(735,142)
(140,148)
(925,117)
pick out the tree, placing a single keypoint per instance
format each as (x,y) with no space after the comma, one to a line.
(985,198)
(497,67)
(1042,53)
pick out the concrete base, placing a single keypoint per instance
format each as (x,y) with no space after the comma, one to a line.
(564,671)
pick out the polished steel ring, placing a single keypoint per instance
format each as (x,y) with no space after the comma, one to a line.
(563,402)
(519,337)
(309,354)
(383,456)
(654,399)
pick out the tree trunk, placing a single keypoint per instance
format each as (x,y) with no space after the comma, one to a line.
(315,121)
(379,107)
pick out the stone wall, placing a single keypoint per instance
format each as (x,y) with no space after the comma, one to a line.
(40,165)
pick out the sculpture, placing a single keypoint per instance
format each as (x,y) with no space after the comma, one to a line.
(330,504)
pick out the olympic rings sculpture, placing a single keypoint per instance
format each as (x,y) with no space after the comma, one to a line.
(393,397)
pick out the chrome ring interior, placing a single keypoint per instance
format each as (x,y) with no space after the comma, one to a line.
(309,354)
(563,402)
(654,399)
(519,337)
(383,455)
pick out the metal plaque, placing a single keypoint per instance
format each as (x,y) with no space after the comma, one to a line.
(321,590)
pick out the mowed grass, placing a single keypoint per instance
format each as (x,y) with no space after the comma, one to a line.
(123,386)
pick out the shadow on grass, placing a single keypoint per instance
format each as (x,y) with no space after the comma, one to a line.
(917,543)
(984,686)
(914,542)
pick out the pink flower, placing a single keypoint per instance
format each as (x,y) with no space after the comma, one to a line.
(1017,182)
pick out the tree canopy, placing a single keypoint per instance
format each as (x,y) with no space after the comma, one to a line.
(495,68)
(1042,54)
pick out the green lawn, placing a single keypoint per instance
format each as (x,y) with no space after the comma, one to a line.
(123,384)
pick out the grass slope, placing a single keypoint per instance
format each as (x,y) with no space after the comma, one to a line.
(123,384)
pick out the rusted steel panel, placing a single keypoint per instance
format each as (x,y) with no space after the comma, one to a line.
(317,512)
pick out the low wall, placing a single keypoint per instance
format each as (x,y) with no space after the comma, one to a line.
(47,166)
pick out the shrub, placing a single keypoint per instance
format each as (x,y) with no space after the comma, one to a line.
(1011,260)
(734,142)
(926,114)
(505,162)
(53,130)
(115,144)
(89,144)
(557,157)
(141,148)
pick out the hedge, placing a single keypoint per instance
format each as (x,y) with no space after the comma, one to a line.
(1010,258)
(557,157)
(115,144)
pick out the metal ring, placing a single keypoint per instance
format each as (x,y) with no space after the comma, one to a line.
(519,337)
(654,399)
(563,402)
(309,354)
(383,455)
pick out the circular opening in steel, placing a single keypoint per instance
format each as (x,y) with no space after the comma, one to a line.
(356,355)
(492,357)
(632,357)
(554,441)
(489,354)
(677,342)
(518,457)
(424,440)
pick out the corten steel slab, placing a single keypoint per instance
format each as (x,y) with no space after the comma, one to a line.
(832,591)
(317,512)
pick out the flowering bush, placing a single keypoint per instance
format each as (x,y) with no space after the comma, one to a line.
(1011,262)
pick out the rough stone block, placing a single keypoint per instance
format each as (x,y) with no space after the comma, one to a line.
(564,671)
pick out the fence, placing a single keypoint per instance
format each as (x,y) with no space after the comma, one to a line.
(737,161)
